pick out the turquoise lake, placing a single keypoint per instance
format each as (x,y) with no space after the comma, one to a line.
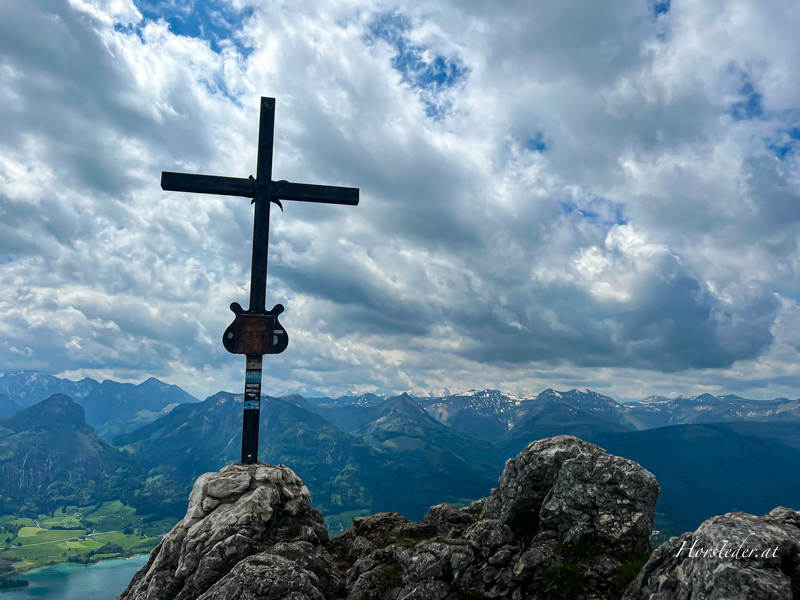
(67,581)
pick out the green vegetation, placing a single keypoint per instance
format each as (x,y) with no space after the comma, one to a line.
(107,550)
(564,582)
(10,584)
(409,539)
(567,581)
(461,593)
(390,579)
(477,510)
(631,566)
(77,534)
(583,549)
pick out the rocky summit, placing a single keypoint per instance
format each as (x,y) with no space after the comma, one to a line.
(566,520)
(733,556)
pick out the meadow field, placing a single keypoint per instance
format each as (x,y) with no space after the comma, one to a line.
(76,534)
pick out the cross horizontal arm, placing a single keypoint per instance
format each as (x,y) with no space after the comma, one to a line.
(306,192)
(208,184)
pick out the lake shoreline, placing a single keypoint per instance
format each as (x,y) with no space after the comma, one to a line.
(19,574)
(105,580)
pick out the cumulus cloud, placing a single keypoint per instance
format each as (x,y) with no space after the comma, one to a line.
(597,195)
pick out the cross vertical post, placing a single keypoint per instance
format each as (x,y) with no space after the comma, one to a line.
(256,331)
(251,415)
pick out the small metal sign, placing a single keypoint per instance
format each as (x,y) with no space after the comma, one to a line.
(250,332)
(254,334)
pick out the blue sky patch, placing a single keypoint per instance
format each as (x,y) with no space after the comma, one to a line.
(536,143)
(750,107)
(661,7)
(787,144)
(420,69)
(212,20)
(598,210)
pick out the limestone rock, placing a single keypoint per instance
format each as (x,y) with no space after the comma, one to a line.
(266,577)
(448,520)
(766,566)
(380,530)
(561,502)
(230,483)
(489,534)
(312,559)
(604,499)
(529,477)
(233,514)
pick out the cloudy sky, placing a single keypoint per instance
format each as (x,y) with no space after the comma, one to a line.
(553,194)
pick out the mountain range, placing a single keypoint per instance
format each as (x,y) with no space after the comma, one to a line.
(371,453)
(344,470)
(111,407)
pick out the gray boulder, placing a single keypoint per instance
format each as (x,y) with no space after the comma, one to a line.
(241,511)
(561,503)
(528,478)
(604,499)
(736,556)
(266,577)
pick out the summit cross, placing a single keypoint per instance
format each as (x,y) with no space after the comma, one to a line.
(256,331)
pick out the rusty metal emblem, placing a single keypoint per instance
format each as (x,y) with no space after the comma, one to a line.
(253,334)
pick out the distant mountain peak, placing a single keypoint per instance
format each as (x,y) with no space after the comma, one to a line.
(487,394)
(402,405)
(705,398)
(153,382)
(655,399)
(58,412)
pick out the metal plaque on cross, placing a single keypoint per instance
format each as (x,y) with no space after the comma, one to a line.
(256,331)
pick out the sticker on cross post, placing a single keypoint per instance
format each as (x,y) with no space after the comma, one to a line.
(252,383)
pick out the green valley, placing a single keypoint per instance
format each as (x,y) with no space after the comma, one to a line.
(77,534)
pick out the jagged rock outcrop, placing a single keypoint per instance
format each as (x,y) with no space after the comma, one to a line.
(733,556)
(566,520)
(242,511)
(564,511)
(574,492)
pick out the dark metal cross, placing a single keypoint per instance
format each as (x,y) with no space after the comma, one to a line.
(256,331)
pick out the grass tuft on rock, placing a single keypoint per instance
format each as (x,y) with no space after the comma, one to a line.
(632,565)
(563,582)
(584,549)
(462,593)
(390,579)
(409,539)
(476,510)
